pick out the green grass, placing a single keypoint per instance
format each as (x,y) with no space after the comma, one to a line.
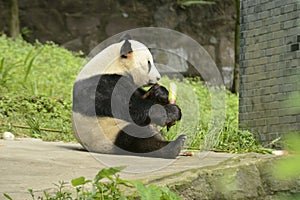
(36,84)
(198,119)
(35,101)
(48,118)
(46,70)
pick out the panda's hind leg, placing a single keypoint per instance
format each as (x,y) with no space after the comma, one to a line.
(174,148)
(146,141)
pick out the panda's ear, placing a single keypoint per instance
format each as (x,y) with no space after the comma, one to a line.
(126,49)
(126,36)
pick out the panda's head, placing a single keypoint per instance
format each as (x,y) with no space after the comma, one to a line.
(136,59)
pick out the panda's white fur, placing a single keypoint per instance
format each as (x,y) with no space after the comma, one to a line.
(109,61)
(98,134)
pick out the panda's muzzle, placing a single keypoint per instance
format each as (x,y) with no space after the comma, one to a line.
(153,75)
(151,82)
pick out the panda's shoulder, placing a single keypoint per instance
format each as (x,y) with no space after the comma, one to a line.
(108,82)
(99,80)
(112,79)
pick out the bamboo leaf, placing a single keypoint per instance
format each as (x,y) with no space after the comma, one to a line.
(78,181)
(27,56)
(7,196)
(108,173)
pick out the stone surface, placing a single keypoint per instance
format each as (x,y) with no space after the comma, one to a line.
(33,164)
(30,163)
(249,176)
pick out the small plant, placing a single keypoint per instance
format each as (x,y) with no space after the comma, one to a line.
(106,185)
(154,192)
(28,62)
(34,125)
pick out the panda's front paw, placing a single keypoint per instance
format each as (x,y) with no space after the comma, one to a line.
(164,115)
(173,114)
(159,94)
(158,115)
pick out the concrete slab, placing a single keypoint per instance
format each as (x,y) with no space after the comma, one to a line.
(34,164)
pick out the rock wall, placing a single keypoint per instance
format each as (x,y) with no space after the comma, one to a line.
(82,24)
(249,176)
(270,68)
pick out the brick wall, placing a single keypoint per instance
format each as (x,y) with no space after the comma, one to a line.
(269,103)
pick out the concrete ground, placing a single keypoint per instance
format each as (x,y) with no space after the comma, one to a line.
(34,164)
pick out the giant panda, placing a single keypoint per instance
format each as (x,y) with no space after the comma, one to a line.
(112,112)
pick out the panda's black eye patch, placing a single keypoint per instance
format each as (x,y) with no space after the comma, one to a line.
(149,66)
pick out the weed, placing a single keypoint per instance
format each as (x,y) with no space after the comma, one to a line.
(34,125)
(106,185)
(28,62)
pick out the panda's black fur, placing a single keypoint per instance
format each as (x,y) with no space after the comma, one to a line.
(118,97)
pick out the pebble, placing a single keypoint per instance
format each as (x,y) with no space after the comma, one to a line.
(8,136)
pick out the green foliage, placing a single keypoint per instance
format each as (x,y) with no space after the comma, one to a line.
(154,192)
(107,185)
(35,88)
(79,181)
(289,167)
(150,192)
(37,114)
(197,114)
(37,69)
